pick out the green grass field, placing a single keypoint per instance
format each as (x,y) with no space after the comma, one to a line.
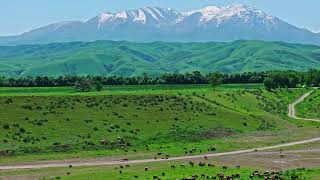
(162,170)
(59,123)
(142,122)
(310,108)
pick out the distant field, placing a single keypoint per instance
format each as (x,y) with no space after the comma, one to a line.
(126,89)
(58,123)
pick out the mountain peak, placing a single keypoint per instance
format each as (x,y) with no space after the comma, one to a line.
(211,23)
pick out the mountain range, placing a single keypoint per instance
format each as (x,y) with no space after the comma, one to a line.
(149,24)
(130,58)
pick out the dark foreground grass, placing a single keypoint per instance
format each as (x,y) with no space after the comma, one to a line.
(163,170)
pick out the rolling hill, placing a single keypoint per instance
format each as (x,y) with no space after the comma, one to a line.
(129,58)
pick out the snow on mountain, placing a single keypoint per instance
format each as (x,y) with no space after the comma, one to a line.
(212,23)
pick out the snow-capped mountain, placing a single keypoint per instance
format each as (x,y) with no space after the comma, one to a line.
(148,24)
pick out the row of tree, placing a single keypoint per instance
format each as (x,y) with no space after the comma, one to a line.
(292,79)
(271,79)
(195,77)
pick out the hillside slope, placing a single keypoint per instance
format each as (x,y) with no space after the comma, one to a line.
(128,58)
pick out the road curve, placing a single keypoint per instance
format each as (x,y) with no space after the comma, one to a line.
(291,114)
(292,110)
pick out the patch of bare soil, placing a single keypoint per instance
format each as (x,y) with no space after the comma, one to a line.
(275,160)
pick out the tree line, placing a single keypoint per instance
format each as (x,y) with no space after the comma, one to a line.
(195,77)
(292,79)
(271,79)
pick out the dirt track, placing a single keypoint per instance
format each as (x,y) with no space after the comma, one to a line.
(292,110)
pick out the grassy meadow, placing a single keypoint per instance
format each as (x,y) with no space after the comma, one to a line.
(143,121)
(161,170)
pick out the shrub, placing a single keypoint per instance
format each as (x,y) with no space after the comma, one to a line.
(22,130)
(6,126)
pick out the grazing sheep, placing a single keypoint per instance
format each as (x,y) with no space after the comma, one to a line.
(201,164)
(191,163)
(146,169)
(124,160)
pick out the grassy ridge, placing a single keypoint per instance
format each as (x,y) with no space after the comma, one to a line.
(127,58)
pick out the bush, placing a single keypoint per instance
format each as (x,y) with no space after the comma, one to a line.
(22,130)
(6,126)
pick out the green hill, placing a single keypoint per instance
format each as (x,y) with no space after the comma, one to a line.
(129,59)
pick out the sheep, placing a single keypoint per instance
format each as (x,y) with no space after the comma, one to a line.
(201,164)
(191,163)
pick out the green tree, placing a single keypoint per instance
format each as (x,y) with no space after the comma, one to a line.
(83,85)
(98,86)
(268,83)
(215,79)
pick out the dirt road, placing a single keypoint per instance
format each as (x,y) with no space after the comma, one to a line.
(291,113)
(292,110)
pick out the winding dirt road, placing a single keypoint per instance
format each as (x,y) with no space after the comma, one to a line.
(292,110)
(291,114)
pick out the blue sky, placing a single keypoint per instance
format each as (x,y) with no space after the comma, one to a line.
(17,16)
